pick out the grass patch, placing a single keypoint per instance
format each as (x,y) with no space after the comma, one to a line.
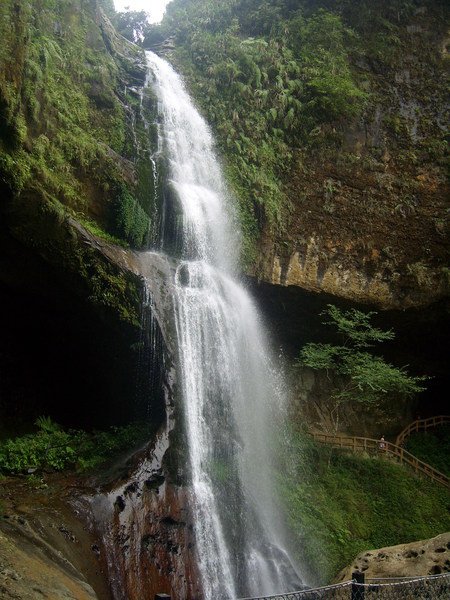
(432,447)
(339,505)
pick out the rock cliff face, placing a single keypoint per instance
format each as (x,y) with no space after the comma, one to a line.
(127,534)
(76,193)
(78,190)
(28,572)
(312,403)
(72,147)
(295,317)
(144,525)
(338,163)
(368,219)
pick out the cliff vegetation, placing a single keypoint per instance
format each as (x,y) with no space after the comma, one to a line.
(339,505)
(73,141)
(331,124)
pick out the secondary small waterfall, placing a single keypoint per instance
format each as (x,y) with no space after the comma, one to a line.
(229,392)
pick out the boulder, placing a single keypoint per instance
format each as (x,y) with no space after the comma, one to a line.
(426,557)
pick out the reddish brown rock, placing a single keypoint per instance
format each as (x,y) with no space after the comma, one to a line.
(145,526)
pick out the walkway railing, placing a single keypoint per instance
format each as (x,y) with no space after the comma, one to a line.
(369,445)
(421,425)
(431,587)
(338,591)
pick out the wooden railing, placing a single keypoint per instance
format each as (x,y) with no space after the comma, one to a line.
(369,445)
(421,425)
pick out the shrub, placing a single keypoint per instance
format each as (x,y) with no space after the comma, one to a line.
(52,448)
(131,221)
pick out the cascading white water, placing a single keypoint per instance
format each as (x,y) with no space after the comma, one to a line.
(229,393)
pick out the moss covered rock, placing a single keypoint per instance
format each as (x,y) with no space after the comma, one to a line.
(71,171)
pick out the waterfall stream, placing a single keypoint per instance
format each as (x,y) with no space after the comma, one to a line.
(229,391)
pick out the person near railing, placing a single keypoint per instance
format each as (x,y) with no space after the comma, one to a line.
(382,444)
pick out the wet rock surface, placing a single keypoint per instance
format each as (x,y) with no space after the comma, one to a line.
(30,573)
(124,534)
(44,546)
(141,515)
(148,545)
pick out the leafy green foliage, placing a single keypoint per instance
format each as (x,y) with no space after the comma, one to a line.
(433,447)
(53,448)
(96,230)
(131,221)
(368,378)
(267,76)
(320,44)
(65,123)
(47,425)
(15,170)
(355,327)
(339,505)
(245,89)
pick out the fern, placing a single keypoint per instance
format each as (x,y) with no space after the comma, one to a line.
(47,425)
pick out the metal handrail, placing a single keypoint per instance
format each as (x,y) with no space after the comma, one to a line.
(356,444)
(421,424)
(357,588)
(307,591)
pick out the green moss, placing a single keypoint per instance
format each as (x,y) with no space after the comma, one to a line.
(111,290)
(15,171)
(96,230)
(339,505)
(40,221)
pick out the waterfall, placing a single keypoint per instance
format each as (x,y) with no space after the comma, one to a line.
(229,392)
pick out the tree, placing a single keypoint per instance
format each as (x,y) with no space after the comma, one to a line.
(366,378)
(132,25)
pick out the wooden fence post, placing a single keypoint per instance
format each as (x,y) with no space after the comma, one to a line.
(357,591)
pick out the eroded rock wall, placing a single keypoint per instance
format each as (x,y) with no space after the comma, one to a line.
(368,219)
